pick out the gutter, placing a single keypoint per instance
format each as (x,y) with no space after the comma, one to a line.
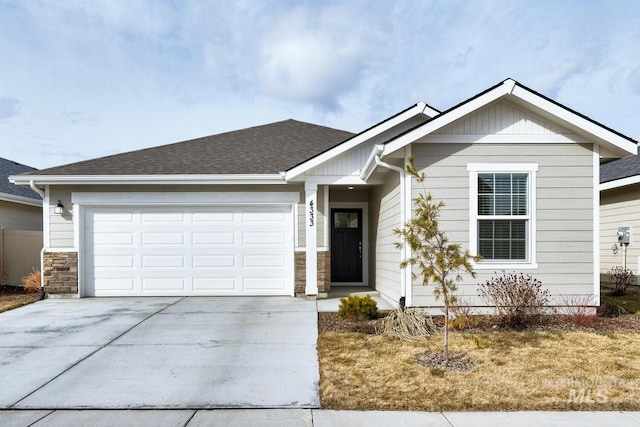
(146,179)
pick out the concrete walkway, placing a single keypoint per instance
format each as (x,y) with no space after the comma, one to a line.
(164,353)
(315,418)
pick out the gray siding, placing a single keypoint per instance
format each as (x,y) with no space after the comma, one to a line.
(564,217)
(384,264)
(16,216)
(619,208)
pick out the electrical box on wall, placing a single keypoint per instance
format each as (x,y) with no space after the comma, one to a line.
(624,235)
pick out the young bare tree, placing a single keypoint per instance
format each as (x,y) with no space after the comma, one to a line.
(439,261)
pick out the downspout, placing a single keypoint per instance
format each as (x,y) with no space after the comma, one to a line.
(36,189)
(41,296)
(403,249)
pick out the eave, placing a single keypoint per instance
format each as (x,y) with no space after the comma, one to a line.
(147,179)
(617,183)
(20,199)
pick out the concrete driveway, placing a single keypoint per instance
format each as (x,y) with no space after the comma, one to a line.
(195,352)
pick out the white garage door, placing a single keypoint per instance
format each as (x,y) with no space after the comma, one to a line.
(221,250)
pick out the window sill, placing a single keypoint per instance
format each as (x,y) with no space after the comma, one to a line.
(505,266)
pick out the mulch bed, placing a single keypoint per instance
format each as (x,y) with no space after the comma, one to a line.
(16,293)
(331,322)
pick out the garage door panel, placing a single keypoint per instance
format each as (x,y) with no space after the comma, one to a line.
(219,217)
(214,261)
(225,284)
(213,239)
(164,284)
(253,284)
(162,238)
(261,217)
(113,261)
(164,217)
(106,238)
(193,250)
(263,238)
(163,261)
(100,217)
(107,286)
(264,261)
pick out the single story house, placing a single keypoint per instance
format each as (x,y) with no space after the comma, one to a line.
(20,226)
(294,208)
(620,209)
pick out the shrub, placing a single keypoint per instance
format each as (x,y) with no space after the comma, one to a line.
(610,309)
(355,307)
(621,277)
(579,309)
(517,299)
(463,317)
(409,325)
(32,281)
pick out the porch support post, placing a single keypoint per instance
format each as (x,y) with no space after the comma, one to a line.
(311,237)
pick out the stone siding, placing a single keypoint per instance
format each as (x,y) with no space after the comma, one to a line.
(324,272)
(61,273)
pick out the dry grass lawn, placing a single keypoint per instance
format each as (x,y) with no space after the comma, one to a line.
(529,370)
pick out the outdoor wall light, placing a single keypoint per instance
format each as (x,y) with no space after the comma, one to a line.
(59,209)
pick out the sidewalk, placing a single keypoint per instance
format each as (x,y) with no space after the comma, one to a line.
(309,417)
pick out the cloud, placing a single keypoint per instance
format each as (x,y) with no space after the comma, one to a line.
(313,56)
(8,107)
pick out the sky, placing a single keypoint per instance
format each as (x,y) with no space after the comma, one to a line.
(84,79)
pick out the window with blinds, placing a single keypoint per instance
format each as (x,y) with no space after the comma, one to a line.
(503,215)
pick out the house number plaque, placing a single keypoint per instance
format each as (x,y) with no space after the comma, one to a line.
(312,214)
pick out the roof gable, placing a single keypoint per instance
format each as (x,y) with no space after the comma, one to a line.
(502,117)
(610,141)
(11,191)
(388,128)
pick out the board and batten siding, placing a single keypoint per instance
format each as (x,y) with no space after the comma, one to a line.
(61,227)
(384,206)
(619,207)
(350,162)
(564,217)
(16,216)
(503,118)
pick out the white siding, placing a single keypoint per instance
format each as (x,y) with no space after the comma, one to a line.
(16,216)
(385,259)
(564,218)
(619,208)
(503,118)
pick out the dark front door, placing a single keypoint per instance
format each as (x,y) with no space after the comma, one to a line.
(346,245)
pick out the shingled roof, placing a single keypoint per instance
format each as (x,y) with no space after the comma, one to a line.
(618,169)
(266,149)
(9,167)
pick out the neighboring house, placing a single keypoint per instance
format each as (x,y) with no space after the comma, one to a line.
(620,208)
(294,208)
(20,207)
(20,225)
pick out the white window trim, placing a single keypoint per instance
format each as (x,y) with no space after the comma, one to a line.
(474,169)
